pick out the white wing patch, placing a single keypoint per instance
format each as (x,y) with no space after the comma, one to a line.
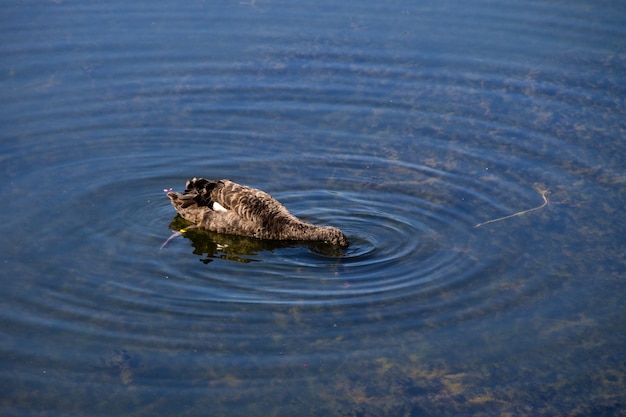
(218,207)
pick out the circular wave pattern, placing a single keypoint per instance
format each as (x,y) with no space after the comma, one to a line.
(406,160)
(412,238)
(413,242)
(405,126)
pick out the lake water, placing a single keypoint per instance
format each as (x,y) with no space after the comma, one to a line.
(404,123)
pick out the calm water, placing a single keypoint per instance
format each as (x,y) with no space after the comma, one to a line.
(404,123)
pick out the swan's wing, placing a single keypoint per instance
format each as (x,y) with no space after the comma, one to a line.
(248,203)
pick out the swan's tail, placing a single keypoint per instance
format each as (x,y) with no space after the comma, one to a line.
(195,200)
(200,185)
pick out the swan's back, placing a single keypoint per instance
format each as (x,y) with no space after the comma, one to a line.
(227,207)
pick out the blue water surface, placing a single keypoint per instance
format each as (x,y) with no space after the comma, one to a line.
(472,152)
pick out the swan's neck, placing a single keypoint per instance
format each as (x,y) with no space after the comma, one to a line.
(307,231)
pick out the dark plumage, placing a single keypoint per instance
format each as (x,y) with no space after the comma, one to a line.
(227,207)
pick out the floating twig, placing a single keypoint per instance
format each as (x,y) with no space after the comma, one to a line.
(543,192)
(174,234)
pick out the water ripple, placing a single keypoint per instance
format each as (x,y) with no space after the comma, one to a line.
(410,227)
(404,125)
(405,158)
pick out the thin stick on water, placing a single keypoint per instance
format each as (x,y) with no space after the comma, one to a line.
(543,192)
(174,234)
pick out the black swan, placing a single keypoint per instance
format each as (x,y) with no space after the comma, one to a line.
(227,207)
